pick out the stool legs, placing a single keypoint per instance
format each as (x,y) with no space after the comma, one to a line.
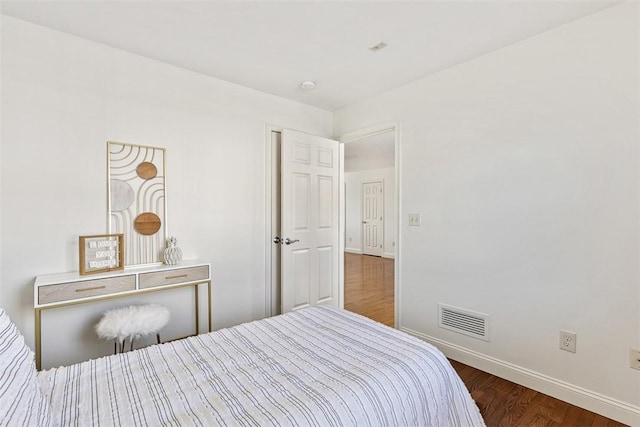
(119,346)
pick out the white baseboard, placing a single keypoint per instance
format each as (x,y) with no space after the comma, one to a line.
(578,396)
(388,255)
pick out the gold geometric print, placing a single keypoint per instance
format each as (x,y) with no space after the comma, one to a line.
(137,200)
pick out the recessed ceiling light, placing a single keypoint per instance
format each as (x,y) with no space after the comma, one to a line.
(378,47)
(307,85)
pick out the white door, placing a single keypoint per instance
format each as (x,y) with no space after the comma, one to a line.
(372,220)
(309,221)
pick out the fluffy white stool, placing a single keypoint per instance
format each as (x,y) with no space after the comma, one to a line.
(131,323)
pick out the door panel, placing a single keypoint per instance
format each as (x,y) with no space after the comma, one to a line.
(301,188)
(325,202)
(300,264)
(325,267)
(309,218)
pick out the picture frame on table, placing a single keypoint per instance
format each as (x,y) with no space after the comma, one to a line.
(101,253)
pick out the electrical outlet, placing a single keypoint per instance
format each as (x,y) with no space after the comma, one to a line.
(349,238)
(415,220)
(568,341)
(634,358)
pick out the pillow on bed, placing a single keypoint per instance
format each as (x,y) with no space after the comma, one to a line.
(22,402)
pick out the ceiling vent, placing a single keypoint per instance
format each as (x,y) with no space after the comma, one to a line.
(463,321)
(378,47)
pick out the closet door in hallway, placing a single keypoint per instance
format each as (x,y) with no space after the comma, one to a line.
(372,219)
(369,287)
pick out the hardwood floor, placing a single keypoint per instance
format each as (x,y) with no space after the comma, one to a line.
(369,290)
(505,404)
(368,287)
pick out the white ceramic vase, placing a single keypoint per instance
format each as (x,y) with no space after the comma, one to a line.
(172,254)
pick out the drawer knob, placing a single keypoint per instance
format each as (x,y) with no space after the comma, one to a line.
(179,276)
(91,289)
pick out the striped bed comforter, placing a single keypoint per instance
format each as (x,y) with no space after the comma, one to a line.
(314,367)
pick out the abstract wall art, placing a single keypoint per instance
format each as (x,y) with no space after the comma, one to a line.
(137,200)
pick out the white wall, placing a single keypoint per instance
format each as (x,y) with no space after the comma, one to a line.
(353,208)
(62,98)
(524,165)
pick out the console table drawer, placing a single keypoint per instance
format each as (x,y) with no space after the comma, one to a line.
(86,288)
(171,277)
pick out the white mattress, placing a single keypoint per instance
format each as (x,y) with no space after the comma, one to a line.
(318,366)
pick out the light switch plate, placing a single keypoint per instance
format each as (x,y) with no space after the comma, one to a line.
(634,358)
(415,220)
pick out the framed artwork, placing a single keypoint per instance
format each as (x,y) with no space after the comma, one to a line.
(137,200)
(101,253)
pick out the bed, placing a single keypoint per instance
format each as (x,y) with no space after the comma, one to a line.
(319,366)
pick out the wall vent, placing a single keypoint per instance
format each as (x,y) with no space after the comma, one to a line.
(464,321)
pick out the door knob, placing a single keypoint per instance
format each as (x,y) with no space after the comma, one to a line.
(277,240)
(364,222)
(288,241)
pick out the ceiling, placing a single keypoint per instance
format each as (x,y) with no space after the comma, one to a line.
(273,46)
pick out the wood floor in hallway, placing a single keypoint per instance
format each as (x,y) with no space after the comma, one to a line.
(368,287)
(369,290)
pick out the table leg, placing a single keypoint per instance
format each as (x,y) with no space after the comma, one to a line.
(38,343)
(196,288)
(209,304)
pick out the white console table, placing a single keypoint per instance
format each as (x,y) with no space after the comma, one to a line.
(64,289)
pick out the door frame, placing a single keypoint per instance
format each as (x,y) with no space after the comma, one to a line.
(270,160)
(346,138)
(272,167)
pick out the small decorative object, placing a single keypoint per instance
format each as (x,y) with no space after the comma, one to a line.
(173,254)
(101,253)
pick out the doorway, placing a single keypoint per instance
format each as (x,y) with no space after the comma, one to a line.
(370,220)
